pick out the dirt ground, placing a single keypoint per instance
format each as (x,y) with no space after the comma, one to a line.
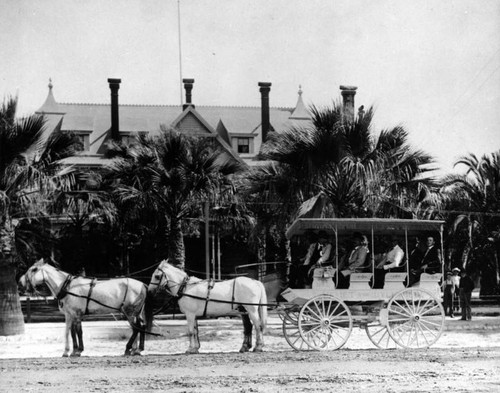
(465,359)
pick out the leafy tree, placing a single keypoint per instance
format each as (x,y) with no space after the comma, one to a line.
(473,197)
(362,173)
(29,172)
(167,178)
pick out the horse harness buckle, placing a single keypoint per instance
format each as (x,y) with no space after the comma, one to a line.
(211,284)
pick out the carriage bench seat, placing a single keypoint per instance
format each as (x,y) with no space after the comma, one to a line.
(429,282)
(395,281)
(323,278)
(360,281)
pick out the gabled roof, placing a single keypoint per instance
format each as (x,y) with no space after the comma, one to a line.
(219,122)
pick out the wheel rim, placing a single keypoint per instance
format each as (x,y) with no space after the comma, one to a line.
(415,318)
(379,336)
(325,323)
(291,331)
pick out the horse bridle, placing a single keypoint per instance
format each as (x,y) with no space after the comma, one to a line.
(62,291)
(167,287)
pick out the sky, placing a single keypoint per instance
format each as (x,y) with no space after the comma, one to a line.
(430,65)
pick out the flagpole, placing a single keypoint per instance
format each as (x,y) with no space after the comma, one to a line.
(180,50)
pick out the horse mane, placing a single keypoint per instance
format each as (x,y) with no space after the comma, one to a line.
(193,279)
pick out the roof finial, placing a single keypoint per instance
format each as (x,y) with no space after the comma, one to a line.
(300,90)
(50,84)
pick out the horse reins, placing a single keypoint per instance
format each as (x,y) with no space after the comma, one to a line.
(182,286)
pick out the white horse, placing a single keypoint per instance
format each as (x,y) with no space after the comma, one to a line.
(198,297)
(79,296)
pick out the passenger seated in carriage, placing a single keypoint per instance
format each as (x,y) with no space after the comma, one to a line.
(415,260)
(424,260)
(356,263)
(390,261)
(318,255)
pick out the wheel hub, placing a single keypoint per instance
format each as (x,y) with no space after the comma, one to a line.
(325,323)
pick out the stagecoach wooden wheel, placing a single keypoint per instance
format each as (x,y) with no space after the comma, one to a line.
(415,318)
(379,336)
(325,323)
(291,330)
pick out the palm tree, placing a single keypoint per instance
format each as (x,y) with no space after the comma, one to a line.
(473,196)
(362,174)
(29,171)
(167,178)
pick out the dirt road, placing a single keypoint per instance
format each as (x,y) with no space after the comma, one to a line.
(438,370)
(461,361)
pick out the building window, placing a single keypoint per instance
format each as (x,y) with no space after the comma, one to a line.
(84,142)
(243,145)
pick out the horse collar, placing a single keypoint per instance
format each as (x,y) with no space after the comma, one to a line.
(63,291)
(182,287)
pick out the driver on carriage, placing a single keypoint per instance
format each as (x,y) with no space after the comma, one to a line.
(318,255)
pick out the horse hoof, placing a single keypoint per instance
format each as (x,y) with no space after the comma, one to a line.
(244,349)
(257,349)
(192,351)
(65,355)
(75,354)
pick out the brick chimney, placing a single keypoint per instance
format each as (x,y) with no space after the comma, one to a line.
(188,86)
(114,85)
(265,88)
(348,93)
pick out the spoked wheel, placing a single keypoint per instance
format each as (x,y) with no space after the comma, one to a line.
(325,323)
(291,330)
(379,336)
(415,318)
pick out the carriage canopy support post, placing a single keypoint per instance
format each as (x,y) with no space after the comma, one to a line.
(207,240)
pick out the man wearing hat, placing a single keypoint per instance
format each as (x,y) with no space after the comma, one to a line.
(318,254)
(450,288)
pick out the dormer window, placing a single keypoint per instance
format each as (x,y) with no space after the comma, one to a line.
(243,145)
(84,140)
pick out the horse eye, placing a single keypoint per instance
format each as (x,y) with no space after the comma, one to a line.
(158,277)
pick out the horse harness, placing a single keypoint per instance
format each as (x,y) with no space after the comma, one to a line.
(64,291)
(207,299)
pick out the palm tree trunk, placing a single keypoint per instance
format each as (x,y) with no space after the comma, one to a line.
(176,251)
(11,315)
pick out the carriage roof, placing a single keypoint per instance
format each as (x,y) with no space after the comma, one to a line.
(379,225)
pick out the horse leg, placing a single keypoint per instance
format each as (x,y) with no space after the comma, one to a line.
(142,334)
(79,332)
(74,338)
(247,331)
(194,342)
(77,337)
(67,330)
(253,314)
(131,341)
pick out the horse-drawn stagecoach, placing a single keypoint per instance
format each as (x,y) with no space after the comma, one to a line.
(395,315)
(319,318)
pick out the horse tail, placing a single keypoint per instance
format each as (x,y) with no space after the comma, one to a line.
(263,308)
(148,310)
